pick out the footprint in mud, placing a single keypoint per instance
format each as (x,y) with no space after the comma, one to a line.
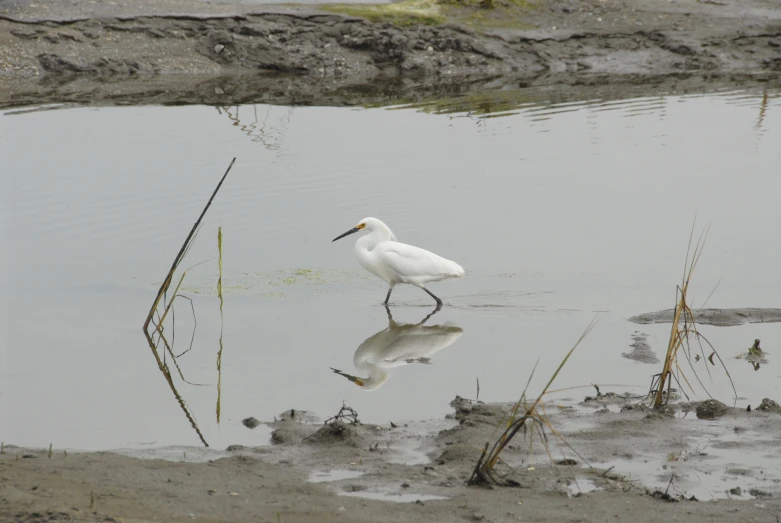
(641,350)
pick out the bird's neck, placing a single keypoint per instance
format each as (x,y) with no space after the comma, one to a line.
(371,240)
(377,376)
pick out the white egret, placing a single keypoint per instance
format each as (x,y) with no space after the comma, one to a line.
(397,345)
(380,254)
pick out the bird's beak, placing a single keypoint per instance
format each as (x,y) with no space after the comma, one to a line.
(351,231)
(358,381)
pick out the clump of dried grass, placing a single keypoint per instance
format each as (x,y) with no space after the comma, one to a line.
(533,416)
(683,331)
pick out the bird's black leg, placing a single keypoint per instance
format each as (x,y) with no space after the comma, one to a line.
(439,302)
(390,316)
(430,314)
(390,290)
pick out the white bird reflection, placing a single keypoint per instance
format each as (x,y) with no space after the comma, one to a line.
(397,345)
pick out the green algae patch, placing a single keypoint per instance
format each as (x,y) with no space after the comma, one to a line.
(487,104)
(495,19)
(403,14)
(490,14)
(274,284)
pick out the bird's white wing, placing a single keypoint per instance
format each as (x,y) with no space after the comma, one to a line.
(416,265)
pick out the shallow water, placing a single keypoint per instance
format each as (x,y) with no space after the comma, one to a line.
(389,496)
(334,475)
(558,211)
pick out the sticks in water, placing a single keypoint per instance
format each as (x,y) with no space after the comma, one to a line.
(167,307)
(682,330)
(222,324)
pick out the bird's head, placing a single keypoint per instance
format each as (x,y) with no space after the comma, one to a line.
(369,224)
(374,381)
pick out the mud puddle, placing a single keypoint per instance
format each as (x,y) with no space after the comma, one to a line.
(680,454)
(334,475)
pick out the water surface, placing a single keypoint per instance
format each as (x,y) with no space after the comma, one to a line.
(558,211)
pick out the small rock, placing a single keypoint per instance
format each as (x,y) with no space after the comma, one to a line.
(405,485)
(218,48)
(476,516)
(760,493)
(737,491)
(430,49)
(711,409)
(234,448)
(769,405)
(218,90)
(250,422)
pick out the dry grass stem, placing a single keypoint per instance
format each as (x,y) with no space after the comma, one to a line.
(533,415)
(222,324)
(160,298)
(682,331)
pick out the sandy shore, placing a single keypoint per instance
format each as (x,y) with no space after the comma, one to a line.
(418,472)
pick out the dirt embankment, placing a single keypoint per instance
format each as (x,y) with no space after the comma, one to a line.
(568,38)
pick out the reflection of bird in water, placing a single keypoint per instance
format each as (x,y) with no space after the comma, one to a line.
(380,254)
(398,345)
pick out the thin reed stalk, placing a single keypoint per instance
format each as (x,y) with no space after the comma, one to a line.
(222,324)
(160,298)
(683,329)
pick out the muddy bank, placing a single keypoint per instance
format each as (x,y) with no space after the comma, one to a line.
(417,471)
(480,95)
(43,49)
(718,317)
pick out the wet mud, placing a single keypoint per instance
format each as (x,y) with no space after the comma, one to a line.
(64,54)
(718,317)
(629,461)
(474,93)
